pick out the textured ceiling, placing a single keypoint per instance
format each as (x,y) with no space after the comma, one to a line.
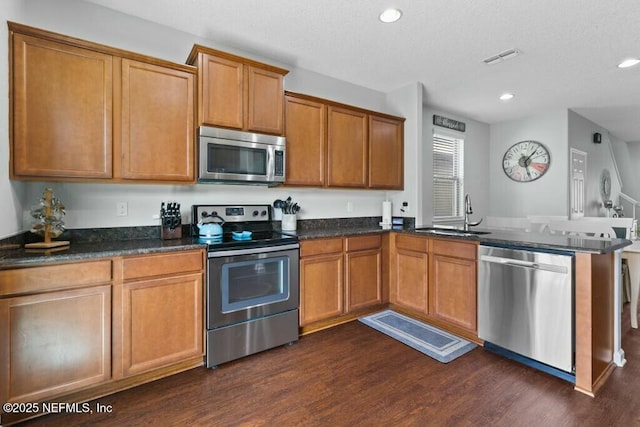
(570,49)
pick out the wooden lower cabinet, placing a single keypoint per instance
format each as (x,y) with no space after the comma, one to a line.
(55,342)
(436,278)
(75,331)
(321,280)
(411,281)
(339,276)
(159,319)
(162,322)
(55,330)
(453,291)
(453,284)
(364,272)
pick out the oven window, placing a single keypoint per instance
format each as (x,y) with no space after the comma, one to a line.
(236,160)
(253,283)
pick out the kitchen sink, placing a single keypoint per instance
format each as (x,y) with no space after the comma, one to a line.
(449,231)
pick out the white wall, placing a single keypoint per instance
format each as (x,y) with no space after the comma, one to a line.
(94,205)
(548,195)
(11,192)
(627,157)
(599,157)
(476,159)
(407,102)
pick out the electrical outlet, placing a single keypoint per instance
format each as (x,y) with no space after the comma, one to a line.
(349,206)
(122,209)
(405,207)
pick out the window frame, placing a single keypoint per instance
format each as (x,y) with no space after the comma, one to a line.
(441,136)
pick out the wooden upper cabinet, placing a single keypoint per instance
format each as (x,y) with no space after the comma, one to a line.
(157,122)
(305,128)
(61,110)
(336,145)
(238,93)
(347,152)
(83,111)
(265,106)
(222,92)
(386,153)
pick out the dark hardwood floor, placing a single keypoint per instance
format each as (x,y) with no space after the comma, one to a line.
(352,375)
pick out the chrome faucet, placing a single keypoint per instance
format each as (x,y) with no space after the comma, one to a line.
(468,210)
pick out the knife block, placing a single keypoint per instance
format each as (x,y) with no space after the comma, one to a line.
(167,233)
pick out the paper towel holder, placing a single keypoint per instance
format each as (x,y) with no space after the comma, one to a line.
(386,214)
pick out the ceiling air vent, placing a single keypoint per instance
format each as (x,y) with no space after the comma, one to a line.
(502,56)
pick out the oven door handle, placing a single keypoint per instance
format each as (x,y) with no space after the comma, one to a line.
(252,251)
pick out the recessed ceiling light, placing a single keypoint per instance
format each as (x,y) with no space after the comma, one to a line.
(506,96)
(629,63)
(390,15)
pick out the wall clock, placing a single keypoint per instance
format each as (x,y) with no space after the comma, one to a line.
(605,185)
(526,161)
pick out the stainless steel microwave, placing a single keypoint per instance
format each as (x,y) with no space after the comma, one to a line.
(231,156)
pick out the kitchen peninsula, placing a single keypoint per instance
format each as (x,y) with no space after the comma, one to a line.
(597,335)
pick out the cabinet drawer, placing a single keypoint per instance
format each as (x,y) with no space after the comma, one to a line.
(60,276)
(410,243)
(455,249)
(359,243)
(162,264)
(320,246)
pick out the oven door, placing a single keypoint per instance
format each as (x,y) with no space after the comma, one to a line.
(245,284)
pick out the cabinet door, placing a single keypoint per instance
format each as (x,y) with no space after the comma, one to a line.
(306,141)
(62,110)
(54,343)
(386,153)
(222,92)
(321,288)
(157,123)
(452,291)
(162,322)
(265,101)
(347,147)
(411,280)
(364,279)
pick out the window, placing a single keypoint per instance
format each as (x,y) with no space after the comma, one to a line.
(448,177)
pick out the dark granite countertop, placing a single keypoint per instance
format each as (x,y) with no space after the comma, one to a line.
(546,241)
(515,239)
(334,232)
(110,247)
(22,257)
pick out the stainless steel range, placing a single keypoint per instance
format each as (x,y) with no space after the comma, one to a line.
(252,293)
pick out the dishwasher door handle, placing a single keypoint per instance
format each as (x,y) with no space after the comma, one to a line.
(525,264)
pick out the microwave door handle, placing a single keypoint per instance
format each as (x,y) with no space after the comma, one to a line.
(271,163)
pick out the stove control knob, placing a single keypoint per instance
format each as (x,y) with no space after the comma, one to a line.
(255,213)
(263,213)
(204,214)
(214,213)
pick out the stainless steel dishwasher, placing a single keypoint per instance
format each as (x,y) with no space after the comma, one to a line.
(526,304)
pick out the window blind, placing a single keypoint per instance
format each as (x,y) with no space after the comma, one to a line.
(448,177)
